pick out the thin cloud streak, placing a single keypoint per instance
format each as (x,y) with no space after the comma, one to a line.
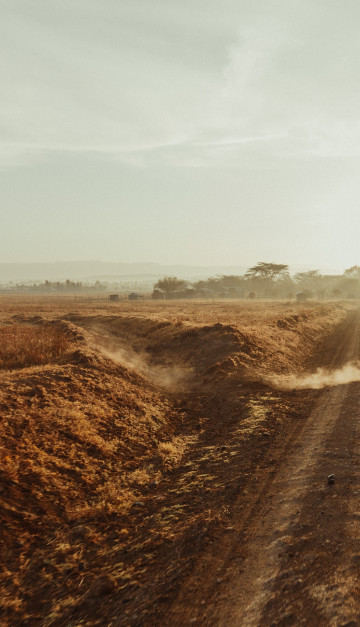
(19,153)
(22,146)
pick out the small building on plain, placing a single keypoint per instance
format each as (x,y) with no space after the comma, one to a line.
(114,297)
(133,296)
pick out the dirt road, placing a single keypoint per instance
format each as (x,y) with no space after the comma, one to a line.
(293,555)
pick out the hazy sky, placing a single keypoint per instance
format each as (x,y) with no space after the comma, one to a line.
(180,131)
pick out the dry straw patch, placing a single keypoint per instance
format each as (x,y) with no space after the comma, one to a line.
(23,345)
(172,452)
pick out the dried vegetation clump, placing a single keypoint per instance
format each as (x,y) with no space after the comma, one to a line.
(124,441)
(24,345)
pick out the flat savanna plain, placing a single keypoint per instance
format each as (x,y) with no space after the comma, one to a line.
(135,443)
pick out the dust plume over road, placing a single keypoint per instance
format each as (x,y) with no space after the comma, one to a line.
(323,377)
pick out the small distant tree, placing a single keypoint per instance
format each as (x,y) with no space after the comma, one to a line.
(231,280)
(352,273)
(170,284)
(349,282)
(311,281)
(307,277)
(270,271)
(264,277)
(220,284)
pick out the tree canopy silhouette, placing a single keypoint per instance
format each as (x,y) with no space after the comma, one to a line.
(270,271)
(170,284)
(310,275)
(352,273)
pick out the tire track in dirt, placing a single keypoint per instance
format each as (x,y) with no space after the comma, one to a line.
(285,572)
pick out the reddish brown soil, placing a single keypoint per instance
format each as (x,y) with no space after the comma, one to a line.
(150,476)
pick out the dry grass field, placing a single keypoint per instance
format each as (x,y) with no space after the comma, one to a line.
(127,432)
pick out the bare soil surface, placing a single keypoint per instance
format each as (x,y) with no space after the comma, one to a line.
(153,474)
(292,556)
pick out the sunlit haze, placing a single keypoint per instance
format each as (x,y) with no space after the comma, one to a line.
(180,132)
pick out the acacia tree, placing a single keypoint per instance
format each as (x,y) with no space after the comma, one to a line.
(270,271)
(170,284)
(266,276)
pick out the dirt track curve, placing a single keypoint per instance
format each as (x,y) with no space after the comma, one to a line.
(293,555)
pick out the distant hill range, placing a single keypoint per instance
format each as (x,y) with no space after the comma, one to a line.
(116,271)
(107,271)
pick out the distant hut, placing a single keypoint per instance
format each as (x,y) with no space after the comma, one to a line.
(114,297)
(133,296)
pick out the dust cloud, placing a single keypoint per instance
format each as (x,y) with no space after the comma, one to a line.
(323,377)
(170,377)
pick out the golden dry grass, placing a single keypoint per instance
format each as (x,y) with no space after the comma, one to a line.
(232,311)
(23,345)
